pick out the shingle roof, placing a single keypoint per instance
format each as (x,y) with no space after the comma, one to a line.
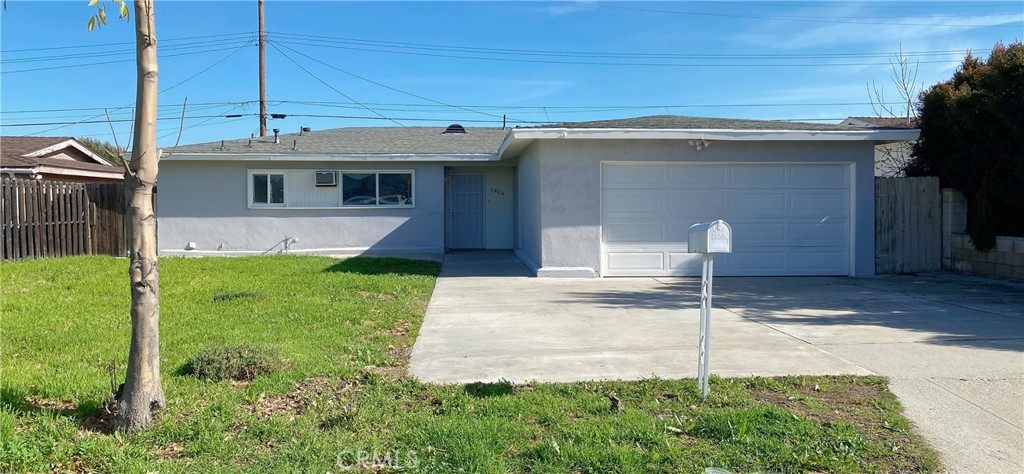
(476,140)
(890,122)
(13,149)
(363,141)
(698,123)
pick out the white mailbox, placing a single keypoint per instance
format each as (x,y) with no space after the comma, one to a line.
(710,237)
(707,238)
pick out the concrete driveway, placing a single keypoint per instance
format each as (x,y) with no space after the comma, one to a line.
(953,346)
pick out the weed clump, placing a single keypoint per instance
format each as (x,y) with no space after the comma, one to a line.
(240,362)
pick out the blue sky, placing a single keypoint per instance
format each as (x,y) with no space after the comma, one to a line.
(432,63)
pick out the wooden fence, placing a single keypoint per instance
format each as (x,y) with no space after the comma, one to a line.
(58,219)
(908,225)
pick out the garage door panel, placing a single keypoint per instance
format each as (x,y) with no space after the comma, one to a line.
(787,219)
(822,204)
(745,203)
(626,261)
(681,263)
(745,234)
(833,233)
(757,176)
(816,261)
(751,262)
(820,177)
(616,176)
(712,201)
(700,176)
(633,201)
(638,232)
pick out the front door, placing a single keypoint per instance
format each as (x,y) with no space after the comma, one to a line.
(466,211)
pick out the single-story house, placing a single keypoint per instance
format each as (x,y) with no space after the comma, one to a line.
(588,199)
(55,159)
(891,159)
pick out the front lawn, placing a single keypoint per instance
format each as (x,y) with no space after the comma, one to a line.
(343,399)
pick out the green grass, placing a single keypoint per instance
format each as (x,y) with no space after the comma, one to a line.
(345,328)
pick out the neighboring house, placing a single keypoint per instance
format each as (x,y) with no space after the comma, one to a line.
(891,159)
(54,158)
(583,199)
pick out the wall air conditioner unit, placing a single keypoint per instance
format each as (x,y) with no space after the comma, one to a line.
(326,178)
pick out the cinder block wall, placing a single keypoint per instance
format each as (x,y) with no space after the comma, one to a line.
(958,254)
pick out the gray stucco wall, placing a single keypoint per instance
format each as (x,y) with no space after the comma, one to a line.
(528,242)
(570,189)
(207,203)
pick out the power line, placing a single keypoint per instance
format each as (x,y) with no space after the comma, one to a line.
(371,81)
(314,76)
(589,63)
(225,114)
(606,54)
(102,108)
(133,103)
(126,52)
(124,43)
(207,68)
(44,124)
(98,63)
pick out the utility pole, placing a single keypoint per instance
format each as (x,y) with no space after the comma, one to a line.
(263,75)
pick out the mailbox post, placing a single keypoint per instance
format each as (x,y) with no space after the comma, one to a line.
(707,238)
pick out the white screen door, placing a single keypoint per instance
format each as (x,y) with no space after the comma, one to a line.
(466,216)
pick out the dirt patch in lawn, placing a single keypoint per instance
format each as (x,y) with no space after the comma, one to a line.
(63,406)
(857,403)
(307,393)
(843,403)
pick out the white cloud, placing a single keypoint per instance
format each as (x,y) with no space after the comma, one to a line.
(559,9)
(780,34)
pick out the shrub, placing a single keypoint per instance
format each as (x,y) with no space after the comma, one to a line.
(240,362)
(972,138)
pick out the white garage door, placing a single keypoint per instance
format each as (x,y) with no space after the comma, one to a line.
(787,219)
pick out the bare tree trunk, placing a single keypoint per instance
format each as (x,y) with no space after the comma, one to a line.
(142,393)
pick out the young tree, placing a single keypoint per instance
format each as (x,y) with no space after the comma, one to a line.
(895,158)
(106,150)
(142,393)
(972,138)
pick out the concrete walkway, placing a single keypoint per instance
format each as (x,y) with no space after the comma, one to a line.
(953,346)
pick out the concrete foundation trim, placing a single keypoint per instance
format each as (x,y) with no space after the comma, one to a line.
(436,255)
(566,272)
(530,264)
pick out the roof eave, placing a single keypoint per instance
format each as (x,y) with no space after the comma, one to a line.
(519,138)
(113,174)
(354,157)
(900,134)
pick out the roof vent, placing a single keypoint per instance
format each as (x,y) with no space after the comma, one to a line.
(455,128)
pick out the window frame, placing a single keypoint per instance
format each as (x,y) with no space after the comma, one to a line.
(341,188)
(269,204)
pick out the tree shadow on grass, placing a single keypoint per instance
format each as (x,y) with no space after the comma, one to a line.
(384,266)
(85,414)
(484,390)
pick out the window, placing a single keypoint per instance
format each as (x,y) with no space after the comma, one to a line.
(376,189)
(353,189)
(267,189)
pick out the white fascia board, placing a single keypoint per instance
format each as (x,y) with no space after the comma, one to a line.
(113,174)
(881,135)
(65,144)
(291,157)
